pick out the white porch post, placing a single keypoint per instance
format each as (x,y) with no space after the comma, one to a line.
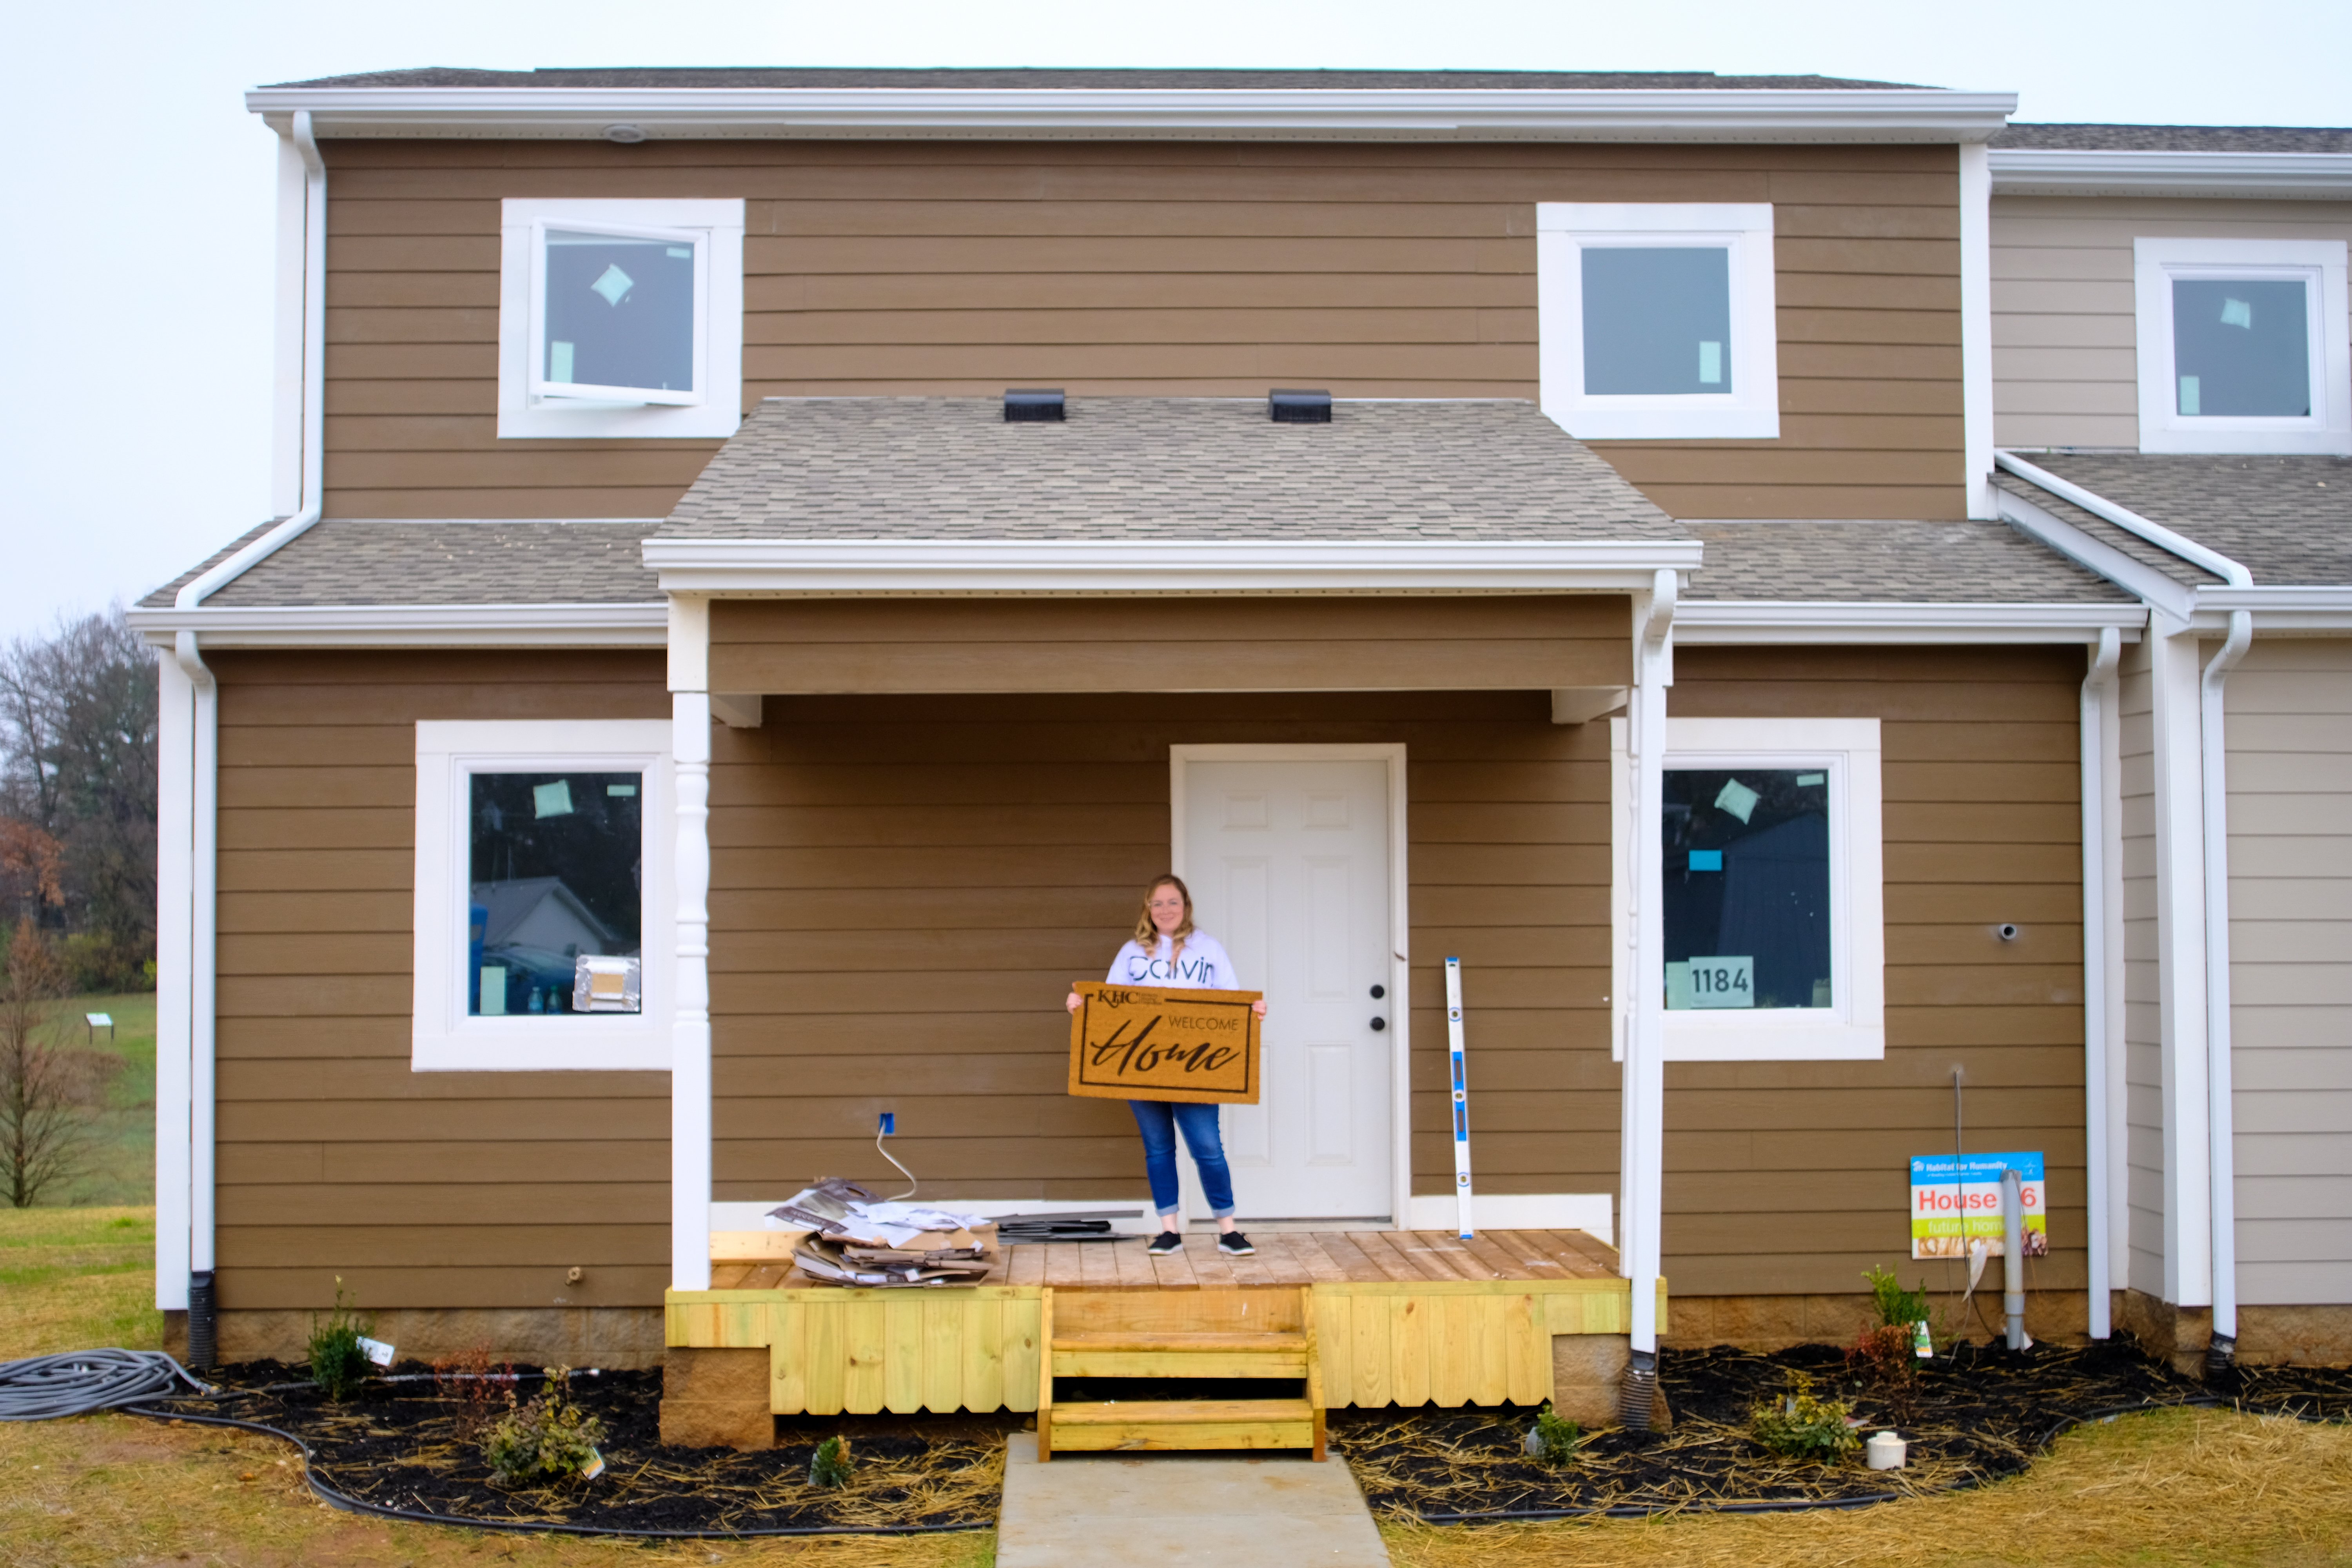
(1644,1098)
(690,1072)
(2181,964)
(175,744)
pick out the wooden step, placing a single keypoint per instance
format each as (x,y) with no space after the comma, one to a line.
(1171,1423)
(1179,1355)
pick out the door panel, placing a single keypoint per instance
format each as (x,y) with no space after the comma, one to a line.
(1289,865)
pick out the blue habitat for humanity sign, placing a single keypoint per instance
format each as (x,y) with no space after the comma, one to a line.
(1956,1202)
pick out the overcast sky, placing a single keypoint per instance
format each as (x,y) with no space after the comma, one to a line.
(133,432)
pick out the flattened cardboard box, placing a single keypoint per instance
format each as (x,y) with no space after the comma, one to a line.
(1138,1042)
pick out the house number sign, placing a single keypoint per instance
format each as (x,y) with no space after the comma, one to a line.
(1139,1042)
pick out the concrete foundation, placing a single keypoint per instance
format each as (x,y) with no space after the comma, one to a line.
(2267,1336)
(1776,1323)
(616,1337)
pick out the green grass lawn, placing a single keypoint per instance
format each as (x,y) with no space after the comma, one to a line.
(117,1163)
(76,1279)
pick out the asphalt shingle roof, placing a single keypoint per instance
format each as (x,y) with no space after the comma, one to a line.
(1893,560)
(2175,137)
(982,81)
(2288,521)
(366,561)
(1158,468)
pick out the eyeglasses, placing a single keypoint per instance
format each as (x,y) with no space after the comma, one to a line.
(1167,903)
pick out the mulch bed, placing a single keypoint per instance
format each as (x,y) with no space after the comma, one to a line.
(405,1446)
(1974,1416)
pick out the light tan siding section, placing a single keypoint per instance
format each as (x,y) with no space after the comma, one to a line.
(1174,644)
(2142,1019)
(2289,732)
(1793,1177)
(2066,353)
(459,1189)
(1388,270)
(904,887)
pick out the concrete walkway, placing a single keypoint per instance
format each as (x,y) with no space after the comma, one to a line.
(1083,1510)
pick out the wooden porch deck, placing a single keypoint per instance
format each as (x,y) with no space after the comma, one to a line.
(1392,1317)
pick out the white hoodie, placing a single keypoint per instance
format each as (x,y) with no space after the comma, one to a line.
(1203,965)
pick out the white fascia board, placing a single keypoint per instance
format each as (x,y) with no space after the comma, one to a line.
(2314,610)
(413,626)
(1731,621)
(2038,171)
(1160,566)
(1862,115)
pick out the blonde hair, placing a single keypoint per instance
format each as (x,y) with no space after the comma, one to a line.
(1147,934)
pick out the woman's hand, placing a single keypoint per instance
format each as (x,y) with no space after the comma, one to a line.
(1075,1001)
(1258,1006)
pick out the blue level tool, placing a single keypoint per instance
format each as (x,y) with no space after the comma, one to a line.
(1461,1097)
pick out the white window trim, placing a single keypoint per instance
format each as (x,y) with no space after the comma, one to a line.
(1751,409)
(1855,1028)
(715,229)
(446,1039)
(2320,264)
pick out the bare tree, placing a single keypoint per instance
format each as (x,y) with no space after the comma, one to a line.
(49,1092)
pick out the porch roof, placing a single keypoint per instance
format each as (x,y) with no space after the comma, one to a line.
(1160,470)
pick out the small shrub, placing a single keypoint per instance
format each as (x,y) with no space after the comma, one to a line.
(831,1465)
(1555,1438)
(1881,1362)
(1800,1425)
(476,1388)
(338,1364)
(1895,1304)
(548,1439)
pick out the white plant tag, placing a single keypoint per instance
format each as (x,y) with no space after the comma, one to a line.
(375,1351)
(596,1466)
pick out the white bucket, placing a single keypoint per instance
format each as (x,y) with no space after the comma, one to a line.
(1883,1451)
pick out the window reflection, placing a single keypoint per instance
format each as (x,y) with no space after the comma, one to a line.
(557,863)
(1657,319)
(2241,346)
(1746,889)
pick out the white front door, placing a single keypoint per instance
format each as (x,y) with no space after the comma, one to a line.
(1288,864)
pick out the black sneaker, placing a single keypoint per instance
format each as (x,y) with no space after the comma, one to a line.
(1166,1241)
(1233,1244)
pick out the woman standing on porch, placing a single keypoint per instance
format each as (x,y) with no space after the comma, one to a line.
(1166,952)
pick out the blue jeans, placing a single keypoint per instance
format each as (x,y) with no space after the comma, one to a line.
(1157,1120)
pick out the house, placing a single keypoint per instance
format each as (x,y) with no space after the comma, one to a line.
(2174,407)
(1392,500)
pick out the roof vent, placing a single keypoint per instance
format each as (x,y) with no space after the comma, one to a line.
(1033,405)
(1291,405)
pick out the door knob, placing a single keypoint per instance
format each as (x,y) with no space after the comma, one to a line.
(1378,992)
(1379,1024)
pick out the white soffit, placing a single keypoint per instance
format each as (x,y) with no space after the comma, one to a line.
(1160,566)
(1390,114)
(2057,171)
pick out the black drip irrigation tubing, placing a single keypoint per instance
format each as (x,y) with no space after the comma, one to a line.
(1867,1499)
(333,1498)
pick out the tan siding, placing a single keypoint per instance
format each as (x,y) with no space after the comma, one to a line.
(2289,732)
(1786,1177)
(2142,1030)
(420,1190)
(2065,357)
(903,886)
(1169,645)
(1178,267)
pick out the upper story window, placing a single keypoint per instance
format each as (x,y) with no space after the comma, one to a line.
(1656,319)
(2243,345)
(619,318)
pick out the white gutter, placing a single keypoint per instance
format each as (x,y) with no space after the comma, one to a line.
(1869,114)
(2213,745)
(2156,533)
(1160,566)
(2167,594)
(204,777)
(2054,171)
(1758,621)
(411,625)
(2098,1109)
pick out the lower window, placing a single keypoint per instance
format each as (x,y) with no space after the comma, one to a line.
(1768,844)
(543,903)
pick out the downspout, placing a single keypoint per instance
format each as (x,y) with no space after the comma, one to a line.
(2098,1125)
(203,838)
(2213,747)
(1644,1103)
